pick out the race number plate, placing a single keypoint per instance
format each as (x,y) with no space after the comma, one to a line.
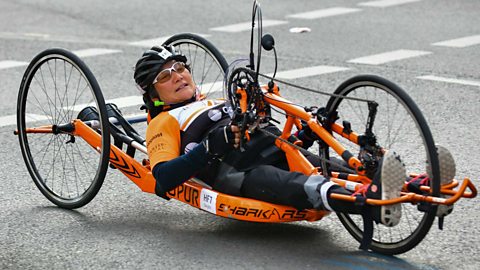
(208,200)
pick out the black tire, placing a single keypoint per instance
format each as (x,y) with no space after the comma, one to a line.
(207,64)
(415,145)
(56,85)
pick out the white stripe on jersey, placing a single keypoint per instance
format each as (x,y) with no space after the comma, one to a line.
(184,113)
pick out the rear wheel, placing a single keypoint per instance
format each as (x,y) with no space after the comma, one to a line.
(399,126)
(208,66)
(56,86)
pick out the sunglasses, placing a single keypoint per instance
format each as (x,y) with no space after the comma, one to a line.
(166,74)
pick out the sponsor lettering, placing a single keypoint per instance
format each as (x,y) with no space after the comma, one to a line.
(157,147)
(261,213)
(186,194)
(156,136)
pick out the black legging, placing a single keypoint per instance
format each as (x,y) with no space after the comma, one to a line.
(262,172)
(271,184)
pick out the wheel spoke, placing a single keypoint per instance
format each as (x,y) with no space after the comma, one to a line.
(44,149)
(86,162)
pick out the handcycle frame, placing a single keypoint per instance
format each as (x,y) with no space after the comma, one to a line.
(203,197)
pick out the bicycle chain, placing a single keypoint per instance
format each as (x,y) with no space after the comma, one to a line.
(313,90)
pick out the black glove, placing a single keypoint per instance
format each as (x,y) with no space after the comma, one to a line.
(306,135)
(220,141)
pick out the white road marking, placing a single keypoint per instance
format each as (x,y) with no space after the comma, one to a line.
(8,120)
(30,117)
(120,102)
(239,27)
(80,53)
(459,42)
(322,13)
(155,41)
(94,52)
(386,3)
(11,120)
(449,80)
(15,35)
(386,57)
(10,64)
(308,71)
(149,42)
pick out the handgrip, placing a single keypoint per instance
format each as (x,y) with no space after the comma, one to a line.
(240,119)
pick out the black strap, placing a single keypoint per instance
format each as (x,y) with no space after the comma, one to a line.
(131,151)
(367,222)
(118,143)
(367,228)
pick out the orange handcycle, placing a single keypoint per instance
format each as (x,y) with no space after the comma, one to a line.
(69,137)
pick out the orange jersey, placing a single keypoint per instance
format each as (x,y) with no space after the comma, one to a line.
(175,132)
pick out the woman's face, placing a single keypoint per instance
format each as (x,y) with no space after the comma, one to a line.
(180,87)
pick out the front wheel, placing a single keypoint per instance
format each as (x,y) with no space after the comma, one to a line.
(400,126)
(56,86)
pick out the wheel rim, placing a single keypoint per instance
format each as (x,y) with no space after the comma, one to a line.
(207,71)
(55,91)
(396,128)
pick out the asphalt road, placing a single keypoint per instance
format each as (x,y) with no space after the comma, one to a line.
(125,228)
